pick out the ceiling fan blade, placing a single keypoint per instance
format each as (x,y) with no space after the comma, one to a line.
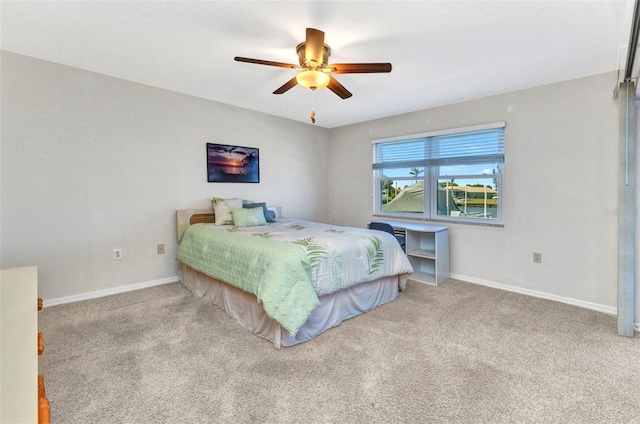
(287,86)
(338,88)
(314,48)
(264,62)
(359,68)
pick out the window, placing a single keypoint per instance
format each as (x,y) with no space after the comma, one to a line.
(452,175)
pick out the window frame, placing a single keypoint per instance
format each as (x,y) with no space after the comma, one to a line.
(431,177)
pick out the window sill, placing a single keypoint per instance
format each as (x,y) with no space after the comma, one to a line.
(462,221)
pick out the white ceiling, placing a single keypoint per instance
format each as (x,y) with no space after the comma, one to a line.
(441,51)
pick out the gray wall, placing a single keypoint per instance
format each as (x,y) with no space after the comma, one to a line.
(559,188)
(90,163)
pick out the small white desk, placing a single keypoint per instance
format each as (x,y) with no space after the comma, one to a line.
(427,250)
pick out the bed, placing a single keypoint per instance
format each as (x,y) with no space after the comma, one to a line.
(289,280)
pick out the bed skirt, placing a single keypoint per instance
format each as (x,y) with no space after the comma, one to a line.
(334,308)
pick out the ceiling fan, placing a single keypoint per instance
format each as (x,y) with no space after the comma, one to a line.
(314,67)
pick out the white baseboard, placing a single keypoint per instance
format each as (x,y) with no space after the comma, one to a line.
(610,310)
(122,289)
(108,292)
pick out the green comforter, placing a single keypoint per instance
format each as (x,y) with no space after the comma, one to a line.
(251,263)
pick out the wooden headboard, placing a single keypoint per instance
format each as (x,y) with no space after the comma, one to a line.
(186,217)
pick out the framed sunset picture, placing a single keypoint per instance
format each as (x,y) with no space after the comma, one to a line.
(232,164)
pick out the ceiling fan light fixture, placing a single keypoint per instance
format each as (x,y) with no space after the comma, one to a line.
(313,79)
(313,56)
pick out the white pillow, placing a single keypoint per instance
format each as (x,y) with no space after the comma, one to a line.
(222,209)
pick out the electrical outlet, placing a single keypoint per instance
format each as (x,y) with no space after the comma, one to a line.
(161,249)
(537,257)
(117,254)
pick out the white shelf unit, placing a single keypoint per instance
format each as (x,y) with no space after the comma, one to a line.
(427,250)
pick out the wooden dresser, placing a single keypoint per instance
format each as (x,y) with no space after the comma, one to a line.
(20,386)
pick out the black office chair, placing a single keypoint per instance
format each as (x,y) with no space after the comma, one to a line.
(383,226)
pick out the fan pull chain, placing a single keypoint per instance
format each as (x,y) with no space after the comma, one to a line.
(313,112)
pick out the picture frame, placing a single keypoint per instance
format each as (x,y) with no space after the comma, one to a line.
(232,164)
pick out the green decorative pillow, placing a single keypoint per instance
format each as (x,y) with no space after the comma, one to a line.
(243,217)
(222,209)
(267,215)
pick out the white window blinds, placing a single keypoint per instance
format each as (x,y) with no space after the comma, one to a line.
(461,148)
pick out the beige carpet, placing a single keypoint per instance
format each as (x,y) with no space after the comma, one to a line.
(459,353)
